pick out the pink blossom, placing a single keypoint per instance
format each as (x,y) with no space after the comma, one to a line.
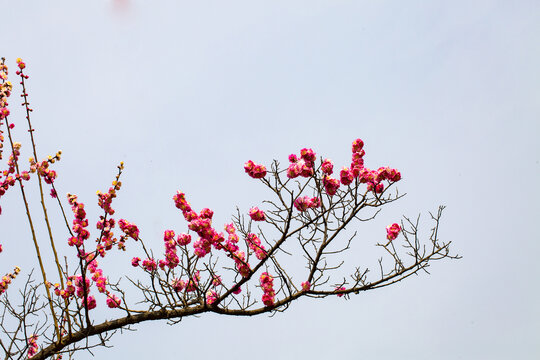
(254,244)
(256,214)
(304,203)
(294,170)
(183,239)
(113,301)
(216,281)
(178,285)
(357,145)
(101,284)
(180,202)
(91,301)
(330,185)
(242,266)
(149,265)
(256,171)
(168,235)
(327,167)
(307,169)
(80,285)
(162,264)
(206,214)
(211,297)
(229,228)
(21,66)
(315,202)
(357,163)
(340,289)
(267,284)
(32,345)
(346,176)
(248,166)
(129,229)
(306,285)
(308,155)
(135,261)
(392,231)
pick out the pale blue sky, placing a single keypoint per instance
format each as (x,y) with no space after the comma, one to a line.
(184,94)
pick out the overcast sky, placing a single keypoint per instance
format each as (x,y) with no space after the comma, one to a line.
(184,94)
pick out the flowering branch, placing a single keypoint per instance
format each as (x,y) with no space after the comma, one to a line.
(241,271)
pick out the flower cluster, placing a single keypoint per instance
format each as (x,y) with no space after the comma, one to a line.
(149,264)
(216,281)
(183,239)
(242,266)
(178,285)
(303,166)
(304,203)
(79,223)
(129,229)
(5,92)
(105,199)
(106,240)
(113,301)
(392,231)
(267,284)
(97,276)
(327,167)
(135,261)
(238,255)
(255,245)
(256,171)
(6,279)
(331,185)
(346,176)
(79,287)
(171,258)
(42,167)
(75,286)
(232,238)
(201,224)
(8,179)
(68,291)
(373,178)
(211,297)
(256,214)
(32,345)
(101,282)
(90,302)
(20,64)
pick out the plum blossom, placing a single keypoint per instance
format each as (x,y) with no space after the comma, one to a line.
(327,167)
(256,171)
(267,284)
(113,301)
(304,203)
(392,231)
(256,214)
